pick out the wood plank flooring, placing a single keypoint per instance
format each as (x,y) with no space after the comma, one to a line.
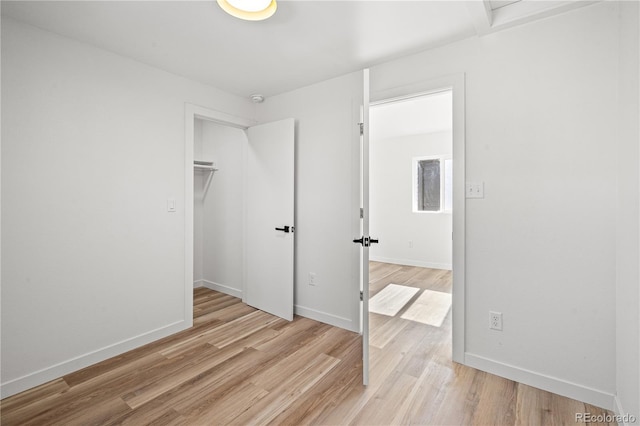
(241,366)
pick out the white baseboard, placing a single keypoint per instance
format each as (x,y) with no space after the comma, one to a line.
(551,384)
(45,375)
(624,418)
(198,283)
(411,262)
(222,288)
(618,408)
(326,318)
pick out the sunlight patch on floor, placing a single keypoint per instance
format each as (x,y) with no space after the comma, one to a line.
(391,299)
(430,308)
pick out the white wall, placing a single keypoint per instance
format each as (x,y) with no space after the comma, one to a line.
(628,215)
(327,215)
(393,221)
(92,148)
(222,224)
(541,120)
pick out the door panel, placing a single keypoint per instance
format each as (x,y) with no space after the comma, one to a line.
(365,227)
(269,256)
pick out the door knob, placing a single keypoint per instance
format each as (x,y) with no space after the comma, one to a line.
(365,241)
(285,229)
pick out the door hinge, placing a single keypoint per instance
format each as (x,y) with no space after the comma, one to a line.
(361,296)
(361,213)
(361,128)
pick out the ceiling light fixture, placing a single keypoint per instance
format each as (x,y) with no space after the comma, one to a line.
(249,10)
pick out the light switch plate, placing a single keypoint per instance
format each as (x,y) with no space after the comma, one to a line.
(475,189)
(171,205)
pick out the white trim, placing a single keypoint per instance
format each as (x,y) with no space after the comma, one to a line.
(541,381)
(486,21)
(455,82)
(245,217)
(191,112)
(45,375)
(198,283)
(411,91)
(189,135)
(222,288)
(326,318)
(523,12)
(620,411)
(220,117)
(410,262)
(459,215)
(481,15)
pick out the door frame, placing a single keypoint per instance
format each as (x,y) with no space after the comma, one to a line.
(191,112)
(456,83)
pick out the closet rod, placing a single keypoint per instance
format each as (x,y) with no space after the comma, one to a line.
(201,167)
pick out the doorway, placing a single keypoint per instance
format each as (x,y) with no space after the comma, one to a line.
(455,84)
(196,163)
(411,213)
(244,161)
(218,221)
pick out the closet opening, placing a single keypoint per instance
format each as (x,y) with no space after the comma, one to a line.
(218,225)
(224,216)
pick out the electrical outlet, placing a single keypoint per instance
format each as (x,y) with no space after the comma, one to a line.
(495,320)
(312,278)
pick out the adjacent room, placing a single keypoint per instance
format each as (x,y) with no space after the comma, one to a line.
(411,204)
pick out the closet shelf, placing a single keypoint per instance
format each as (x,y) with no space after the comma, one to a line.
(199,167)
(204,166)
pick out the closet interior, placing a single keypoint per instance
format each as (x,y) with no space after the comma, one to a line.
(218,206)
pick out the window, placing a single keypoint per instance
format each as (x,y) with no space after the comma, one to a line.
(433,184)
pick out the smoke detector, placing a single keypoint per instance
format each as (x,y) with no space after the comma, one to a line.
(257,99)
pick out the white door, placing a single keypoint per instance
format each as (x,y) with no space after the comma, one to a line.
(269,227)
(366,240)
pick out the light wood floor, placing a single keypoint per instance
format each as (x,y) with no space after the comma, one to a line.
(241,366)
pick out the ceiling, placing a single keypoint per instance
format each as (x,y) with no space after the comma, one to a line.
(303,43)
(413,116)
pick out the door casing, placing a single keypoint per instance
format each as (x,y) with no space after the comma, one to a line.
(193,112)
